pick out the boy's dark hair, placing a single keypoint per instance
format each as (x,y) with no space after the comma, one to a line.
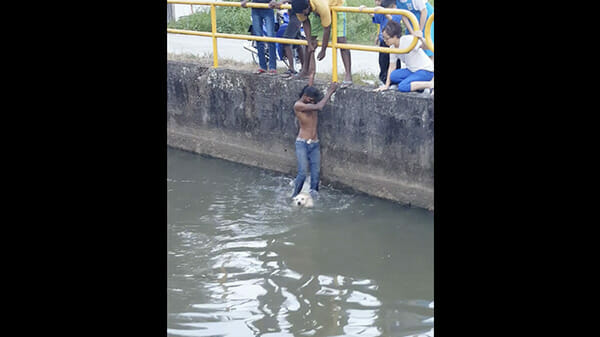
(311,92)
(299,5)
(393,28)
(388,3)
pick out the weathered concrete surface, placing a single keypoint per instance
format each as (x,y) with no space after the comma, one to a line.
(378,143)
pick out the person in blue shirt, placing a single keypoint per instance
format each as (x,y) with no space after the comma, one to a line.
(422,9)
(382,20)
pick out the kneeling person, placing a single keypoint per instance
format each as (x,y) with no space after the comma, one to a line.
(418,73)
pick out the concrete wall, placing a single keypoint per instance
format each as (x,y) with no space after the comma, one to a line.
(378,143)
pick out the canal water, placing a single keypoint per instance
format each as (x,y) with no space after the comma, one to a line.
(243,261)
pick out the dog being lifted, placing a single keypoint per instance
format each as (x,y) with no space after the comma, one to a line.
(303,199)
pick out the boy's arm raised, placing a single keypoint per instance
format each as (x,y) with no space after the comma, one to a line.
(306,107)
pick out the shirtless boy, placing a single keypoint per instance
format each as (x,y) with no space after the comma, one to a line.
(308,151)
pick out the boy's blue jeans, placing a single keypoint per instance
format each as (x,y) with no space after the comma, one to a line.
(309,158)
(258,15)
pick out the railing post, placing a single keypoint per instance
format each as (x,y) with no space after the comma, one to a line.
(334,73)
(213,22)
(428,40)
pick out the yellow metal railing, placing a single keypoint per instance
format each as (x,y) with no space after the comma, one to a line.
(427,36)
(334,45)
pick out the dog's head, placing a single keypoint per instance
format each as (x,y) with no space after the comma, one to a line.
(303,199)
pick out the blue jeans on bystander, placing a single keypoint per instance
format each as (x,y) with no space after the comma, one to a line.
(258,15)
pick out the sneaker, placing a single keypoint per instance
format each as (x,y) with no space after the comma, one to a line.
(289,73)
(260,71)
(272,72)
(345,84)
(394,87)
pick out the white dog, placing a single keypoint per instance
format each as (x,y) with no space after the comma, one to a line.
(303,199)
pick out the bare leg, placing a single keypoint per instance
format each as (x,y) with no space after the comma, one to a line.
(419,85)
(289,55)
(301,56)
(346,60)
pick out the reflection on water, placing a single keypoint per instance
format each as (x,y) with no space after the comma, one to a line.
(242,261)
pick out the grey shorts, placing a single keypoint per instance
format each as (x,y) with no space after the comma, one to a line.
(292,31)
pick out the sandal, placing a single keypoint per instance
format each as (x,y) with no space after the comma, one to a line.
(346,84)
(289,73)
(297,76)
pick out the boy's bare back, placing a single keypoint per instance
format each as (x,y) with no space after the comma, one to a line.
(306,110)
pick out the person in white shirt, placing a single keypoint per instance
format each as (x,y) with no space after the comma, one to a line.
(418,74)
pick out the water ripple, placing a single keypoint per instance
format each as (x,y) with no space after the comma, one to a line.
(242,261)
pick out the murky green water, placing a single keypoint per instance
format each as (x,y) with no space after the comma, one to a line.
(242,261)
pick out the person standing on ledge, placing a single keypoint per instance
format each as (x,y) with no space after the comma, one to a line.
(292,31)
(258,16)
(308,151)
(322,17)
(381,20)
